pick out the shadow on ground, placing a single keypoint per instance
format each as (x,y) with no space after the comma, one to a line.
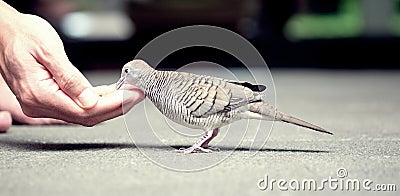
(41,146)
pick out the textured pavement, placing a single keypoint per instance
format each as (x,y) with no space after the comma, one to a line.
(360,107)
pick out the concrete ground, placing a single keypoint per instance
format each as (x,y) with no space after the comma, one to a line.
(360,107)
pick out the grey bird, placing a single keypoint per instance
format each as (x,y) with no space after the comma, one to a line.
(203,102)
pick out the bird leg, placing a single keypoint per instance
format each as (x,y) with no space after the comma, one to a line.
(206,142)
(202,143)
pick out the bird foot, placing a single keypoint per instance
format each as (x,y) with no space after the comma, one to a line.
(194,149)
(212,148)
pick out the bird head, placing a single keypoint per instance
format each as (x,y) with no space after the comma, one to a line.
(133,72)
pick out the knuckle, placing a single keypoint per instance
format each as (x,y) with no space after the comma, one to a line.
(27,101)
(28,110)
(67,81)
(32,101)
(40,23)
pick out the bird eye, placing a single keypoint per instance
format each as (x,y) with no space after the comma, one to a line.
(126,70)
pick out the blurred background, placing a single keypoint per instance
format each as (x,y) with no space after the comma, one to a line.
(330,34)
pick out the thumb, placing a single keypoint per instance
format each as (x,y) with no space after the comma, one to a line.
(73,83)
(51,54)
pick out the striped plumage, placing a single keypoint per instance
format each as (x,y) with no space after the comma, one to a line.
(202,102)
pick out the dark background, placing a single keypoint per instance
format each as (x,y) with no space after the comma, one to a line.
(374,45)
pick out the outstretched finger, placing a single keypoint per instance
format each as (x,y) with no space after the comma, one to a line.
(114,104)
(5,121)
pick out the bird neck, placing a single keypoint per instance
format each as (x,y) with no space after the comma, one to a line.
(147,78)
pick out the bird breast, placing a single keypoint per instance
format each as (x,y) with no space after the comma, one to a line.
(189,99)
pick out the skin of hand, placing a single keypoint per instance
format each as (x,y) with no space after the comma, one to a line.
(45,83)
(12,110)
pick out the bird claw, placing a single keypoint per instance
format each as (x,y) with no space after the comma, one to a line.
(212,148)
(196,149)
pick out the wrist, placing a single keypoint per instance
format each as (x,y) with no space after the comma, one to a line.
(8,18)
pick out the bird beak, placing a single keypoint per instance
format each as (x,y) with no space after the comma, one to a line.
(120,82)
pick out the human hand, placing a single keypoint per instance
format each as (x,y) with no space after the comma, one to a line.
(10,111)
(46,84)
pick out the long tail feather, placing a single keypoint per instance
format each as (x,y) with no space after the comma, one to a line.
(293,120)
(268,112)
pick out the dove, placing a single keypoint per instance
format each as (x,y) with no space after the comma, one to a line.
(201,101)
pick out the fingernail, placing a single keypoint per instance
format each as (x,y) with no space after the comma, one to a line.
(87,99)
